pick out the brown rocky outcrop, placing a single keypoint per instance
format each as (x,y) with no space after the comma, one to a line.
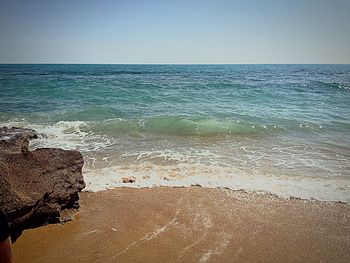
(35,186)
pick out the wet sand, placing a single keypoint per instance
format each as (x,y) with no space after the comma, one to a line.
(192,225)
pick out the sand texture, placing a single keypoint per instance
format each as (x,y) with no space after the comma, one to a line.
(192,225)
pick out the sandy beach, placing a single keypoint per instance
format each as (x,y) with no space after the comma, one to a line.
(192,225)
(175,131)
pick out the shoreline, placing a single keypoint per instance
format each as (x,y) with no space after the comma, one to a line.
(148,176)
(243,191)
(192,224)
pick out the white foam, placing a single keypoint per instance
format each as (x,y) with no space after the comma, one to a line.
(294,170)
(67,135)
(151,175)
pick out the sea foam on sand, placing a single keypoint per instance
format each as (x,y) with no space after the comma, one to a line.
(151,175)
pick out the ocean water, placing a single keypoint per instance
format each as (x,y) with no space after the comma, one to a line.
(283,129)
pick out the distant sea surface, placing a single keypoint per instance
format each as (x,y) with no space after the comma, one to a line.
(283,129)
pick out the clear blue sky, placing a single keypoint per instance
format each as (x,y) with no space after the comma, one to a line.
(166,31)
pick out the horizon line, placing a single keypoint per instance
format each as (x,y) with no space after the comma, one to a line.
(73,63)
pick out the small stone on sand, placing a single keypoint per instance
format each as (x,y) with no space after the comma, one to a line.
(129,179)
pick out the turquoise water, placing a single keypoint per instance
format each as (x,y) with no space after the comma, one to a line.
(274,128)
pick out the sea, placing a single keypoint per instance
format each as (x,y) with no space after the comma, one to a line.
(280,129)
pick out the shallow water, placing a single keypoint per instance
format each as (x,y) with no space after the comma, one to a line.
(283,129)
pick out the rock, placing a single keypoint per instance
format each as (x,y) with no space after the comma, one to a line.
(129,179)
(15,139)
(35,186)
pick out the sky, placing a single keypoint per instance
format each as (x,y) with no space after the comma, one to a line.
(175,31)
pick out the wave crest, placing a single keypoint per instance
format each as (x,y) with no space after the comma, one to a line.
(178,126)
